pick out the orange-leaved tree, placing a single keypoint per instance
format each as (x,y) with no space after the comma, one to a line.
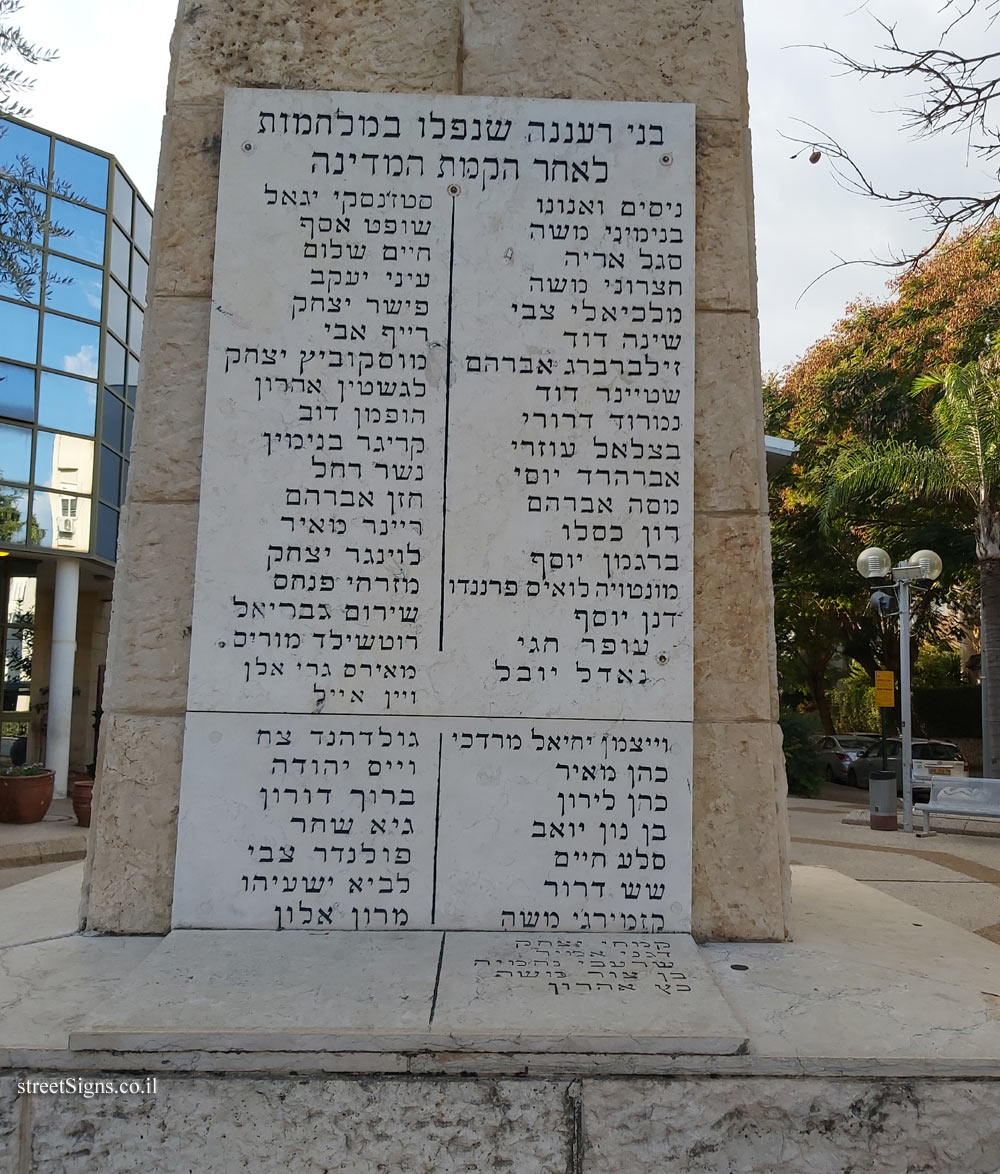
(959,466)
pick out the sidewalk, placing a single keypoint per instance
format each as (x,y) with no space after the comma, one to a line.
(28,850)
(952,875)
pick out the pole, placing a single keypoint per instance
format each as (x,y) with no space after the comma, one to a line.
(984,684)
(885,760)
(904,702)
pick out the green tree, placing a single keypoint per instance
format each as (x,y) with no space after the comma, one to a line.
(854,386)
(958,466)
(821,609)
(854,702)
(22,210)
(12,518)
(22,206)
(802,766)
(13,44)
(23,218)
(815,610)
(938,666)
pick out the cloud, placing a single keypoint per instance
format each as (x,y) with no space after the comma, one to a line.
(84,362)
(107,87)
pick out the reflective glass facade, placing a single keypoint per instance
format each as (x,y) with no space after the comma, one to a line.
(74,255)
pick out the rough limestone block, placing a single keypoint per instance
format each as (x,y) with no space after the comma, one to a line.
(10,1115)
(186,202)
(170,412)
(729,469)
(740,835)
(150,640)
(364,45)
(365,1126)
(130,862)
(724,259)
(684,51)
(732,618)
(790,1126)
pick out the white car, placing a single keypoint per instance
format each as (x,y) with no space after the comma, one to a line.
(931,760)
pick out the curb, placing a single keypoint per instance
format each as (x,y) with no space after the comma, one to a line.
(25,855)
(952,824)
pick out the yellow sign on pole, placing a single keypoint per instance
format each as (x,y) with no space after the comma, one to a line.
(885,690)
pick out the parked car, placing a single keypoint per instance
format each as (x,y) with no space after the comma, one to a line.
(838,751)
(931,759)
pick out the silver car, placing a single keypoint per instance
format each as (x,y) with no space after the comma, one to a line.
(838,751)
(931,760)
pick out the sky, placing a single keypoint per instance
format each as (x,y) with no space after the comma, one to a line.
(107,89)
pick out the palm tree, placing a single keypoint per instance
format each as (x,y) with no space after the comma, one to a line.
(960,465)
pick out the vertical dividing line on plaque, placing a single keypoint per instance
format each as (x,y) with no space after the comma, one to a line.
(437,832)
(437,982)
(453,192)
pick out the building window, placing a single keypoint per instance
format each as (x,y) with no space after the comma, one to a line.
(71,319)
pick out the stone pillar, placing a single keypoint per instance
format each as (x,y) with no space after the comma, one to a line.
(670,50)
(62,659)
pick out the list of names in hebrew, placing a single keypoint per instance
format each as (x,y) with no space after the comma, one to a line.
(446,491)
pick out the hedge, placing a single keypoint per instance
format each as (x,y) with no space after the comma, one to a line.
(954,712)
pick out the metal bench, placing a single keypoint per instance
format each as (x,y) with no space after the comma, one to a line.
(974,798)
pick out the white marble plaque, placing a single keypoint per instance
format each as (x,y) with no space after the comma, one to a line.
(447,488)
(581,993)
(318,822)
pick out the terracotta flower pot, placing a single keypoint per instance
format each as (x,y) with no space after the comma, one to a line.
(83,793)
(25,798)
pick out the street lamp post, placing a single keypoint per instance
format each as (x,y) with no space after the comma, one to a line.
(921,570)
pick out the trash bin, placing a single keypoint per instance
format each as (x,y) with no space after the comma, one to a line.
(882,800)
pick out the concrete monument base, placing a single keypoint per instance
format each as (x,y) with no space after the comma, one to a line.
(872,1040)
(417,992)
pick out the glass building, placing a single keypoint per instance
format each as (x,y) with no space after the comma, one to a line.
(74,257)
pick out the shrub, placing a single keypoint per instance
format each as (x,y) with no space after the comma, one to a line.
(937,668)
(852,703)
(949,713)
(802,764)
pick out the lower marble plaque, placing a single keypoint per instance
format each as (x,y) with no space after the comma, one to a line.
(582,993)
(519,824)
(418,991)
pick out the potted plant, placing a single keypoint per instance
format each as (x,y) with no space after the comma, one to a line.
(25,793)
(82,794)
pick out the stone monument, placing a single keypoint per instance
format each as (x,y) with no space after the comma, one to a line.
(440,717)
(453,402)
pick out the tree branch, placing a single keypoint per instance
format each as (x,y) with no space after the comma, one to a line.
(957,92)
(944,212)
